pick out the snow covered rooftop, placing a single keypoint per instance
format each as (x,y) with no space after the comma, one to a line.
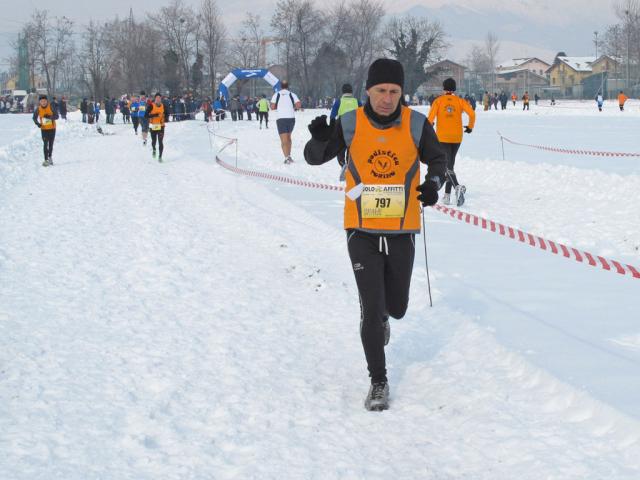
(517,70)
(580,64)
(512,63)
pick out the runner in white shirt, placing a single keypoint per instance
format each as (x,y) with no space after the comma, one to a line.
(285,103)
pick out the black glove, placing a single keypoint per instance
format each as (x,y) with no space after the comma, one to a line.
(320,130)
(468,130)
(428,193)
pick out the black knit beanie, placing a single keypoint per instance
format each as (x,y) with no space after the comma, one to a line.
(347,88)
(385,70)
(449,85)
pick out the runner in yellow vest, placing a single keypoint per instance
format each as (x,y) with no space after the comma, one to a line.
(263,111)
(342,105)
(386,143)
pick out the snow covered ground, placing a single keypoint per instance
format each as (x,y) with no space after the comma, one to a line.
(178,321)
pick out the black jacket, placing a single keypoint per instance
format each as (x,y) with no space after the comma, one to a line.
(431,153)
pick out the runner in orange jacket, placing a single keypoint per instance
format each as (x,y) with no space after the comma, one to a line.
(446,111)
(622,98)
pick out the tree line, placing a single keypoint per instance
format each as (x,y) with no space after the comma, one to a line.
(180,48)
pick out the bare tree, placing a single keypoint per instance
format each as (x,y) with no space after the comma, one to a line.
(309,24)
(491,49)
(213,34)
(283,25)
(245,50)
(179,25)
(416,43)
(51,45)
(94,59)
(362,38)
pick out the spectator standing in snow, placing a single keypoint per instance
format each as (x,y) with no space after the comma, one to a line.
(525,101)
(63,108)
(486,101)
(599,101)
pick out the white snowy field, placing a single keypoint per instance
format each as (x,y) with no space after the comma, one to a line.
(178,321)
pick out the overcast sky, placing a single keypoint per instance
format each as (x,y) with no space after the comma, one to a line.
(542,14)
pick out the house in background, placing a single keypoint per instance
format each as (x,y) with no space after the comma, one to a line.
(567,74)
(531,64)
(438,73)
(607,77)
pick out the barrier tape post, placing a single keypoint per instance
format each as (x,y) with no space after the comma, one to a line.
(502,141)
(495,227)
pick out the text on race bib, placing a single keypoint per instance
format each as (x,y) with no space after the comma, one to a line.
(156,126)
(383,201)
(46,121)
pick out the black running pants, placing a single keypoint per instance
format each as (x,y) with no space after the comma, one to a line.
(159,136)
(382,265)
(48,136)
(451,150)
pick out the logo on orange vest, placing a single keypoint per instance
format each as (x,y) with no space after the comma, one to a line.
(383,163)
(450,109)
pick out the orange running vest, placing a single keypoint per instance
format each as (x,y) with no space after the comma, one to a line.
(46,123)
(382,160)
(159,120)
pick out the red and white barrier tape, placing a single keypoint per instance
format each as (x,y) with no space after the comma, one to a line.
(278,178)
(570,151)
(504,230)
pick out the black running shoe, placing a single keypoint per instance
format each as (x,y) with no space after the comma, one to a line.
(378,397)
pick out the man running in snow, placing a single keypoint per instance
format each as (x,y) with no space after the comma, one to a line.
(622,98)
(263,111)
(143,105)
(133,109)
(447,111)
(342,105)
(45,116)
(155,116)
(285,103)
(386,142)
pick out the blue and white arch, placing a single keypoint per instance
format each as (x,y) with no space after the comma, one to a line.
(240,74)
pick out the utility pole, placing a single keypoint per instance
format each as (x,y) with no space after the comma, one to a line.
(628,14)
(595,41)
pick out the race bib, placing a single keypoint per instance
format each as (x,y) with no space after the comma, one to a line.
(383,201)
(46,121)
(142,109)
(156,126)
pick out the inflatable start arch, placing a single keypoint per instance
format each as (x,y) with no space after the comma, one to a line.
(240,73)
